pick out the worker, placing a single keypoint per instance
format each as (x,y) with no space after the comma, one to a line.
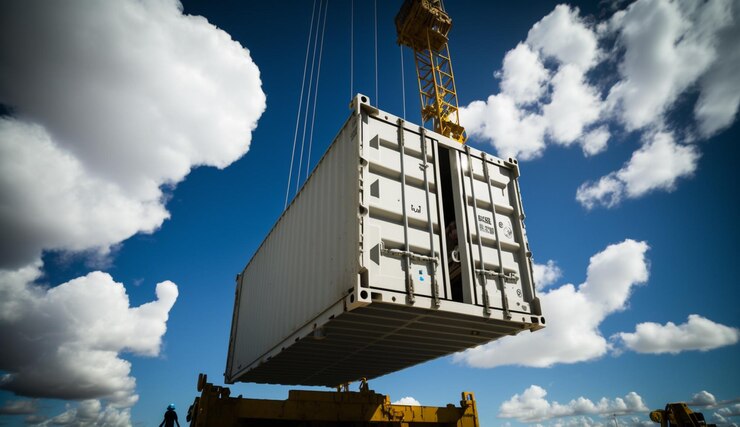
(170,417)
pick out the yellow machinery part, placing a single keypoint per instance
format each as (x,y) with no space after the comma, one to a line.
(215,407)
(678,415)
(423,25)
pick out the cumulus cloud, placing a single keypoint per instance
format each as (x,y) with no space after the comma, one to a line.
(595,141)
(574,104)
(719,96)
(408,400)
(19,407)
(564,36)
(532,406)
(556,88)
(546,274)
(667,46)
(64,342)
(730,411)
(703,398)
(537,103)
(657,165)
(56,203)
(723,410)
(110,103)
(515,132)
(523,75)
(90,413)
(112,100)
(698,333)
(574,314)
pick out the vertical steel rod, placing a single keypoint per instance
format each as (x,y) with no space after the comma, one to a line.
(502,285)
(407,252)
(425,166)
(481,273)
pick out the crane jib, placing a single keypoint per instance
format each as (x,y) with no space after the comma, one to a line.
(423,25)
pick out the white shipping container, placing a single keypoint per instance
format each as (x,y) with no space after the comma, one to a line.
(376,264)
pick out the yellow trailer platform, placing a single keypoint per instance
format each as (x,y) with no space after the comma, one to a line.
(365,408)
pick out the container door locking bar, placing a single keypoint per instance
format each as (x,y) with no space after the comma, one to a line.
(481,275)
(424,166)
(406,253)
(501,276)
(411,255)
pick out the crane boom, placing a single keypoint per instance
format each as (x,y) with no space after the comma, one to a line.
(423,25)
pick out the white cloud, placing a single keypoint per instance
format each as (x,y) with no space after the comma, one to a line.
(65,341)
(719,97)
(573,106)
(722,416)
(730,411)
(523,75)
(657,165)
(717,418)
(668,46)
(555,89)
(574,314)
(607,191)
(91,413)
(532,406)
(514,132)
(563,102)
(563,35)
(595,141)
(408,400)
(698,333)
(112,101)
(546,274)
(56,203)
(703,398)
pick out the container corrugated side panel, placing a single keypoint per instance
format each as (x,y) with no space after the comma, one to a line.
(307,262)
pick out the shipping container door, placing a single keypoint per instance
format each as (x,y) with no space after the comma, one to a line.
(494,254)
(402,226)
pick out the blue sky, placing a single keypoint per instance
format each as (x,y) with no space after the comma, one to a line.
(146,145)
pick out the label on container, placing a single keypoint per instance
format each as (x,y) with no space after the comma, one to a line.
(485,224)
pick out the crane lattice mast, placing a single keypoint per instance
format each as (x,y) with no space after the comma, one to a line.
(423,26)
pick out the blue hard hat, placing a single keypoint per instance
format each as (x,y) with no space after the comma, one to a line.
(171,406)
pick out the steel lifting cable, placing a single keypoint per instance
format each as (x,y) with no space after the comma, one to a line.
(403,85)
(316,89)
(375,14)
(300,104)
(308,99)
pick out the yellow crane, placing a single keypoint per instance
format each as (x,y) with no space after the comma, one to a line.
(423,25)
